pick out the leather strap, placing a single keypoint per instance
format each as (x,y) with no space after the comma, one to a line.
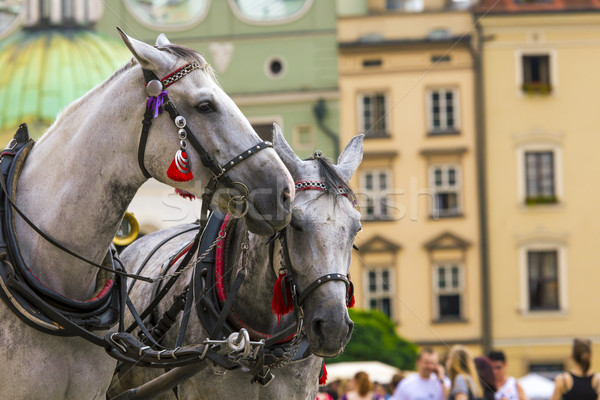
(245,155)
(169,283)
(187,310)
(239,279)
(320,281)
(146,124)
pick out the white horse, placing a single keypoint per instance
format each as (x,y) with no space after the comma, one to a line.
(80,177)
(319,243)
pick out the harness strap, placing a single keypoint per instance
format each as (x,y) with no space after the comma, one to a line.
(65,325)
(169,283)
(56,244)
(187,308)
(140,323)
(239,279)
(165,323)
(155,249)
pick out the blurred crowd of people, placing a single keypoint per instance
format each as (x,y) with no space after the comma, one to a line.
(464,377)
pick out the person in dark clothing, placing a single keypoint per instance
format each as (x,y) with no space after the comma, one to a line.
(486,377)
(578,383)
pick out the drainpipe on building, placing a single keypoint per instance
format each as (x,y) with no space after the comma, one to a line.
(320,111)
(480,145)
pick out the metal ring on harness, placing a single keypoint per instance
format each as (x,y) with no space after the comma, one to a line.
(235,201)
(239,341)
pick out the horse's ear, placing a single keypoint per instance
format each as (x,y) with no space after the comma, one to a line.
(283,149)
(148,56)
(351,157)
(162,41)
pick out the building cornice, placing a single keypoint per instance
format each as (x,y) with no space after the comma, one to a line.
(284,97)
(379,244)
(447,241)
(380,154)
(403,43)
(442,151)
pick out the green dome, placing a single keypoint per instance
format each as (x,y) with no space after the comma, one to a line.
(43,71)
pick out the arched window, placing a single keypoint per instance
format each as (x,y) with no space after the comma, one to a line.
(269,11)
(174,14)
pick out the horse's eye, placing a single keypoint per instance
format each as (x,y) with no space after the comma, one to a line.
(205,107)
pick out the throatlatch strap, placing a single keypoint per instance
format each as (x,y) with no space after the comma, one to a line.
(146,124)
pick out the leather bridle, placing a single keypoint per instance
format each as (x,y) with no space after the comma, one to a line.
(298,296)
(219,171)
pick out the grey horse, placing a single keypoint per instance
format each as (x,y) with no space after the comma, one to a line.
(77,182)
(319,239)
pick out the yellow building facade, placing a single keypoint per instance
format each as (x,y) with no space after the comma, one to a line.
(477,188)
(541,79)
(407,80)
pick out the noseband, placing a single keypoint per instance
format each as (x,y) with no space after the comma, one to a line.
(158,99)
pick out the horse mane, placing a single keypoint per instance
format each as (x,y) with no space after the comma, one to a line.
(190,55)
(334,180)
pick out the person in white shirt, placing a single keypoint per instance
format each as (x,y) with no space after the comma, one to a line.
(507,387)
(429,383)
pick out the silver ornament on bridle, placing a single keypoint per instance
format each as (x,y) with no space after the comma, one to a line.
(154,88)
(182,163)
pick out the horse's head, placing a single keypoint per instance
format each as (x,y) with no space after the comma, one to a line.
(320,239)
(212,128)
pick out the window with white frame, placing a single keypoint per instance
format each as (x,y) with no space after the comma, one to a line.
(379,290)
(448,290)
(543,268)
(543,280)
(442,111)
(372,115)
(445,180)
(375,185)
(540,179)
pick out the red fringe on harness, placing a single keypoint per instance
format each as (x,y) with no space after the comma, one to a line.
(180,170)
(351,302)
(282,298)
(350,295)
(323,375)
(185,194)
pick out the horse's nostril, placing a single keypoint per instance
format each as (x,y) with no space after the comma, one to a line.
(286,198)
(350,329)
(317,327)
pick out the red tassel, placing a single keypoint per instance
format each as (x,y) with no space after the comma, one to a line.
(323,376)
(282,298)
(185,194)
(180,170)
(351,300)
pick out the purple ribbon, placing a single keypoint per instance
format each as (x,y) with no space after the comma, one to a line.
(155,103)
